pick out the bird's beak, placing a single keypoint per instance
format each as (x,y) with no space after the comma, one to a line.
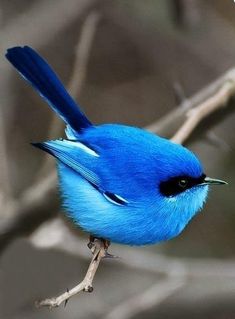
(213,181)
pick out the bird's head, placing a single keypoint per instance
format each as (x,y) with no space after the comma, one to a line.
(182,184)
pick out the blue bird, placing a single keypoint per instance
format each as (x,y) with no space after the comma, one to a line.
(119,183)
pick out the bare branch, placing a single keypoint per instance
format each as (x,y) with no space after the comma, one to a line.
(198,113)
(99,252)
(171,122)
(178,271)
(56,235)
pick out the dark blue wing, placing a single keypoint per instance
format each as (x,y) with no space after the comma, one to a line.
(40,75)
(75,155)
(82,160)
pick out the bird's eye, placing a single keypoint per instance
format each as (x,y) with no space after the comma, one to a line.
(179,184)
(183,183)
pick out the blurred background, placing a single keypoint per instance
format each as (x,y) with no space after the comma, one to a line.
(125,61)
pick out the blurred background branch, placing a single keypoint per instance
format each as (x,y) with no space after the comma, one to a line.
(197,114)
(207,101)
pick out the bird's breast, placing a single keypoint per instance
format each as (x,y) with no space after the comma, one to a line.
(146,222)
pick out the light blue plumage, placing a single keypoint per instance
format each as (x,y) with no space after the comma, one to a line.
(117,182)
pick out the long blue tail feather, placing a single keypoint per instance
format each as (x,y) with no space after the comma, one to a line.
(40,75)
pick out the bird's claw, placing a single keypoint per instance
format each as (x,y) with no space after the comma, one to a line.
(110,256)
(106,244)
(90,245)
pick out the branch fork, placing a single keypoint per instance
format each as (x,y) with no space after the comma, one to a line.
(196,114)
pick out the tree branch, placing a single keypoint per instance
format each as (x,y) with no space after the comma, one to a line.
(204,109)
(171,122)
(99,252)
(177,271)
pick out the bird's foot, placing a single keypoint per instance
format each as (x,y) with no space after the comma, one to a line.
(110,256)
(91,243)
(106,244)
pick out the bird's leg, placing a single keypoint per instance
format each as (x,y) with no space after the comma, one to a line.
(91,242)
(106,244)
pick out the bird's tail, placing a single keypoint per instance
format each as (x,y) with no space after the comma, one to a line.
(40,75)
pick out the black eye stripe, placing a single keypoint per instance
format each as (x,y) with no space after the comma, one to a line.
(179,184)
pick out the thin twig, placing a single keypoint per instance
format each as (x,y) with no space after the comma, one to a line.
(198,113)
(85,285)
(172,121)
(178,271)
